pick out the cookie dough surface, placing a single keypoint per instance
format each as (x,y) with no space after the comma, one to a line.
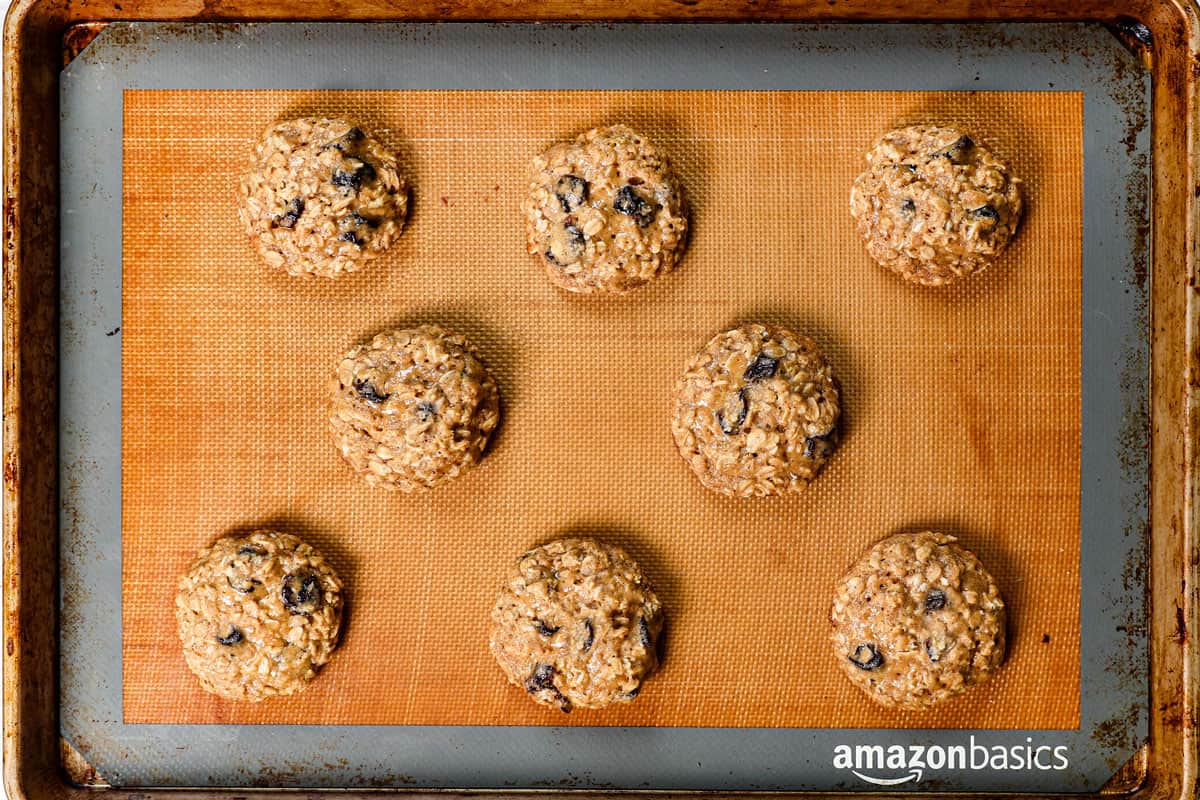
(934,204)
(917,620)
(605,213)
(322,197)
(258,615)
(412,408)
(756,411)
(576,625)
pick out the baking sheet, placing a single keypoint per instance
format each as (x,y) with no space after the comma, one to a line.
(839,352)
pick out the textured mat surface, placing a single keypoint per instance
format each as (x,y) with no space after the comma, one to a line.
(962,405)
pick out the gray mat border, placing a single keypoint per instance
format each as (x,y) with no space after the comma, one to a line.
(1066,57)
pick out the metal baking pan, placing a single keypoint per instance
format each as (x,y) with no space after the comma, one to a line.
(63,675)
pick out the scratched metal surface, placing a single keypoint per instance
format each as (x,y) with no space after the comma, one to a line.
(1114,463)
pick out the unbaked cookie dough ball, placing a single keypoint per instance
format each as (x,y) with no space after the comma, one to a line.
(258,615)
(917,621)
(756,411)
(576,625)
(605,213)
(934,205)
(412,408)
(322,197)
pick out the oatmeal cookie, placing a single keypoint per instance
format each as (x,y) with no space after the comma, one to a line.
(413,408)
(321,197)
(258,615)
(605,213)
(756,411)
(576,625)
(934,205)
(917,621)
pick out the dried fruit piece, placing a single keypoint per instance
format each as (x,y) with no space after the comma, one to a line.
(344,179)
(291,216)
(628,202)
(542,678)
(353,221)
(935,600)
(644,633)
(426,411)
(732,415)
(822,445)
(349,236)
(369,393)
(566,244)
(232,637)
(986,212)
(301,593)
(866,657)
(242,585)
(761,368)
(957,150)
(937,650)
(571,191)
(354,178)
(355,134)
(544,629)
(589,635)
(366,172)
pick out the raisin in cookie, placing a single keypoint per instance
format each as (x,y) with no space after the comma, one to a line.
(258,615)
(934,205)
(917,621)
(412,408)
(322,196)
(605,213)
(576,625)
(756,411)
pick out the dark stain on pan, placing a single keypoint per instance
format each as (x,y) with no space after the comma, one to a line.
(1139,224)
(1127,663)
(1115,735)
(1135,36)
(78,37)
(127,43)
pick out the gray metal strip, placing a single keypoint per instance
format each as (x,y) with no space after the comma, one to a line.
(432,56)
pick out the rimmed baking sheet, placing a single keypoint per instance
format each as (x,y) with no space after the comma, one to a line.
(1112,356)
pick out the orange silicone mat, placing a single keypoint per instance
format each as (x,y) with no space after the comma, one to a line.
(962,405)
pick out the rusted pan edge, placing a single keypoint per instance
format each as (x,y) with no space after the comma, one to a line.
(32,40)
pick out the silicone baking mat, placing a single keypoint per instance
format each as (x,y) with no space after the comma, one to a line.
(962,406)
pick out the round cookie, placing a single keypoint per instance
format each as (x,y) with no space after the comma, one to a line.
(322,196)
(934,205)
(917,621)
(605,213)
(412,408)
(756,411)
(258,615)
(576,625)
